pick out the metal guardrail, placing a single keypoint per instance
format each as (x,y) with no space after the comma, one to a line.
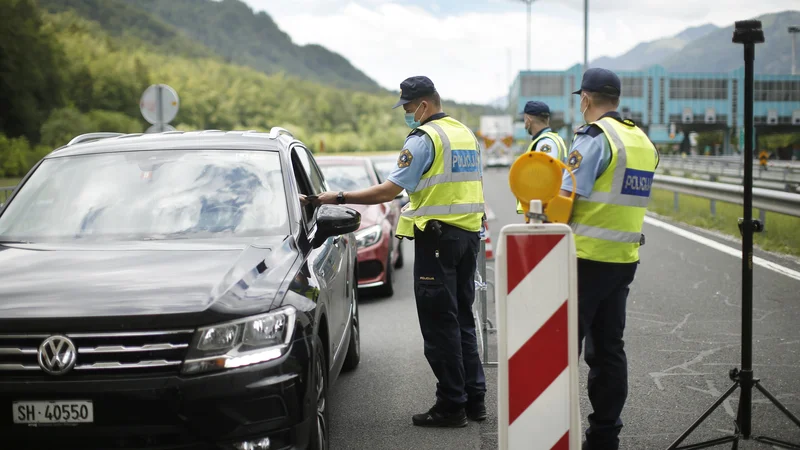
(483,326)
(6,192)
(780,175)
(763,199)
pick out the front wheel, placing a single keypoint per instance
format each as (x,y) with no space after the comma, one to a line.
(320,434)
(399,262)
(353,356)
(387,289)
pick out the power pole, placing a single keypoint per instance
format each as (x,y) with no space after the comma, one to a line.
(585,35)
(793,31)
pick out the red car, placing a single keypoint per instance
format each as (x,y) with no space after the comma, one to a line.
(379,253)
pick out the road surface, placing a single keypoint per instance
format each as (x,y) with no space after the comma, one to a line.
(682,338)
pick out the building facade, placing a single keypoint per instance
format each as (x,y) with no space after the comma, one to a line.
(669,105)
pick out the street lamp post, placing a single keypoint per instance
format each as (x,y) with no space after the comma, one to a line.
(528,3)
(585,35)
(793,31)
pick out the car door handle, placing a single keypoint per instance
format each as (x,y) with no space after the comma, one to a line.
(336,240)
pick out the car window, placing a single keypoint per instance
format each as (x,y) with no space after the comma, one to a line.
(385,168)
(347,177)
(304,184)
(150,195)
(378,173)
(311,170)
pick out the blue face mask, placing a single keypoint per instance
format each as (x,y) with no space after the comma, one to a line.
(410,119)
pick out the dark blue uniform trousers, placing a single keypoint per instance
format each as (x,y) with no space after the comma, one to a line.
(602,295)
(444,287)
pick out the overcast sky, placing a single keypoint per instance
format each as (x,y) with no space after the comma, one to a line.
(464,45)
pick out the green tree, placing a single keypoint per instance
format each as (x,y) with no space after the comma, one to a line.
(31,62)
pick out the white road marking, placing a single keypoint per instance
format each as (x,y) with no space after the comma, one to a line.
(721,247)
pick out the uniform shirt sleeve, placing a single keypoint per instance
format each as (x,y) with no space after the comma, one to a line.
(588,158)
(548,146)
(415,159)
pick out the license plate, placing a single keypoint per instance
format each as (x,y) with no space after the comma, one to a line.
(53,412)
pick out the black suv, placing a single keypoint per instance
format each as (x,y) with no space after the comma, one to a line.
(172,291)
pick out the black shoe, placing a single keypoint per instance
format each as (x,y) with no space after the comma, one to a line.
(438,418)
(476,411)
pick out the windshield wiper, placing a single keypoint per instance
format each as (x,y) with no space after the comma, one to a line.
(9,241)
(166,237)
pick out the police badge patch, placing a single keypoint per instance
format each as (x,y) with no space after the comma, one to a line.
(545,148)
(404,160)
(574,160)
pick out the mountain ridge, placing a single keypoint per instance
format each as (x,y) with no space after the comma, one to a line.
(708,48)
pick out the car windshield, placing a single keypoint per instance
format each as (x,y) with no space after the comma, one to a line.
(385,167)
(150,195)
(346,177)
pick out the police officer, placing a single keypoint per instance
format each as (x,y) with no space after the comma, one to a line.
(613,162)
(440,167)
(537,123)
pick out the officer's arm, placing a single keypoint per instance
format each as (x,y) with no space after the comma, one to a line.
(382,193)
(587,160)
(405,176)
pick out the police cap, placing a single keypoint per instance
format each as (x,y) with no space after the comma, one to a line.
(537,109)
(413,88)
(601,81)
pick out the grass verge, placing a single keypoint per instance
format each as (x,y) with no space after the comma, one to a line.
(782,232)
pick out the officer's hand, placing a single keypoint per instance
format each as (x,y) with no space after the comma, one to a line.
(303,200)
(326,198)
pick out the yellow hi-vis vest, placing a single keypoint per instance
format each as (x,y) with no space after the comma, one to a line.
(561,156)
(608,224)
(450,191)
(562,146)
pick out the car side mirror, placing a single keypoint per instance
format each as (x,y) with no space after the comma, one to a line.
(335,220)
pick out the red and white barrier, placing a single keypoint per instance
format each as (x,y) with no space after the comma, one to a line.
(489,248)
(537,313)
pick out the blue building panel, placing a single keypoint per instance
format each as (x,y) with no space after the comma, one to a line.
(656,98)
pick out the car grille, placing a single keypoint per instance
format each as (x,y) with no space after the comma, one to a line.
(126,353)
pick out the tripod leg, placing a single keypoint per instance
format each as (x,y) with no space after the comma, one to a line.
(703,417)
(777,403)
(777,443)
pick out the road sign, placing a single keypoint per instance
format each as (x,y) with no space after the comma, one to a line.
(538,403)
(159,104)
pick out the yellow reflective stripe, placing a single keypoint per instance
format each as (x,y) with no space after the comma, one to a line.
(444,210)
(622,157)
(448,178)
(628,237)
(618,199)
(446,150)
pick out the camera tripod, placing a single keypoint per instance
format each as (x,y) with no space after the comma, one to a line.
(749,33)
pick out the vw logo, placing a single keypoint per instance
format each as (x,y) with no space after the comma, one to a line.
(57,355)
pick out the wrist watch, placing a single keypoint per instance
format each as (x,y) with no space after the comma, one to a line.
(340,198)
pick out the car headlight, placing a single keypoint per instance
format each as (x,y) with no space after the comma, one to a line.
(241,343)
(368,236)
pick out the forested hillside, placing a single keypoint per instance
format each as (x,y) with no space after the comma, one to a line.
(63,75)
(235,32)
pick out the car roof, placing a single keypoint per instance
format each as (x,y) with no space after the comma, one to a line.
(93,143)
